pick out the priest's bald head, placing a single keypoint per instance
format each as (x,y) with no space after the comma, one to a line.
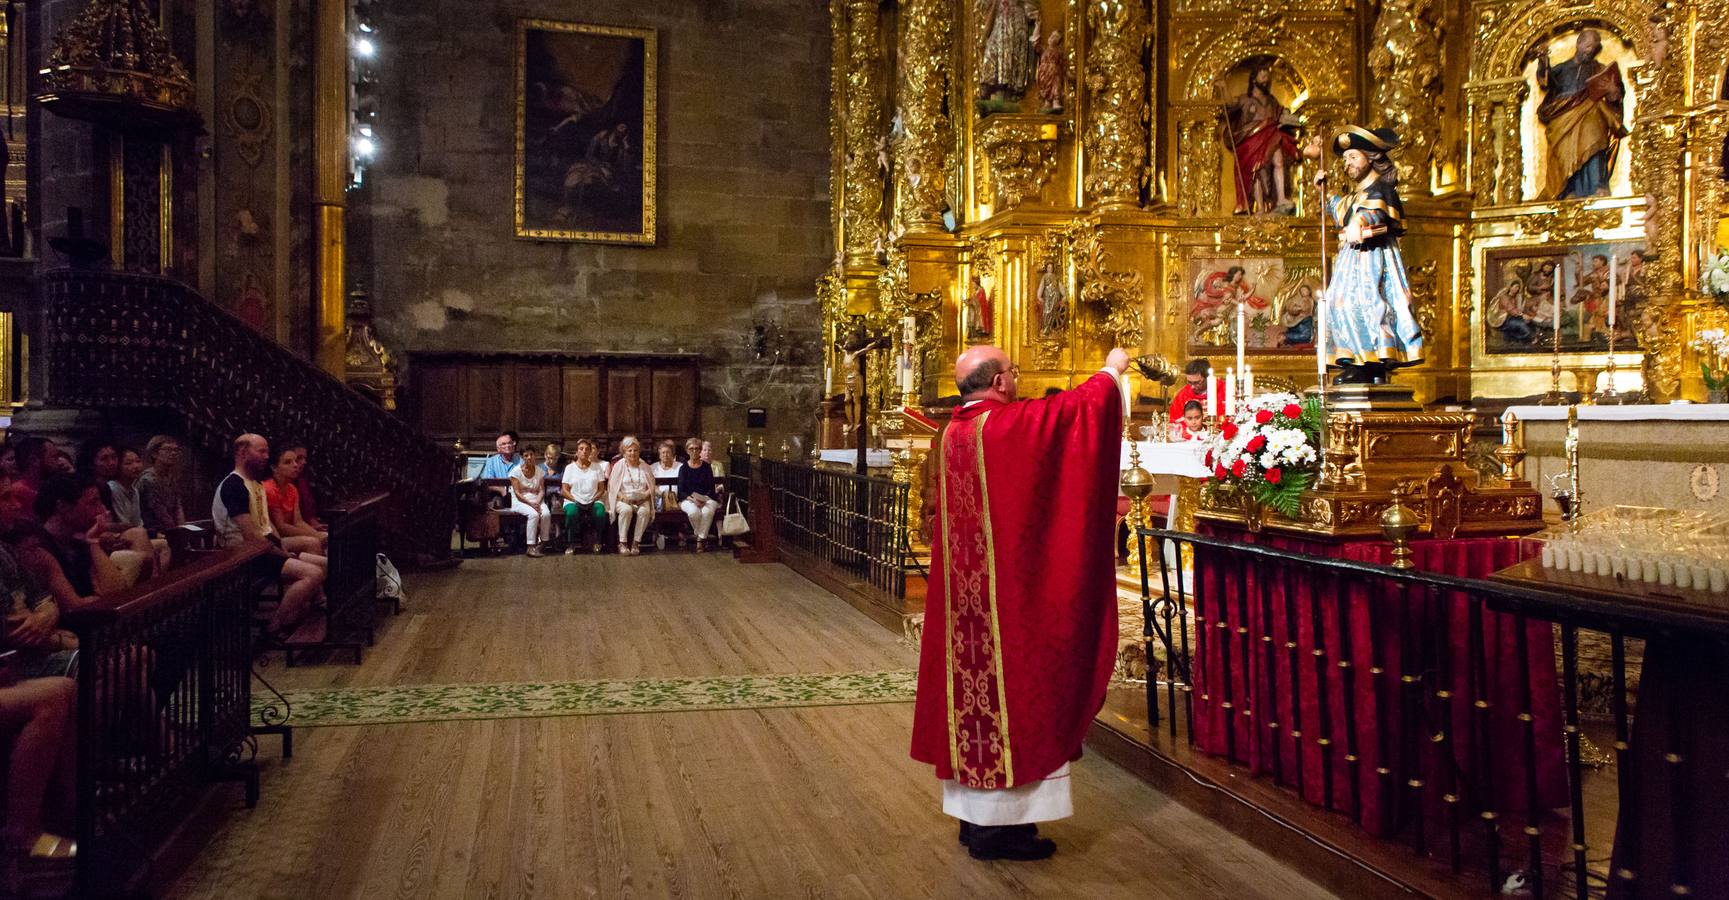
(983,372)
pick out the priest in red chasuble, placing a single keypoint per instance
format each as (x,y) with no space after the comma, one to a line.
(1020,626)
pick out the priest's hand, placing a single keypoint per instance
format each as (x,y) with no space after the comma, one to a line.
(1119,360)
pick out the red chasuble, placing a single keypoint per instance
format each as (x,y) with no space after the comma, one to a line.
(1188,393)
(1020,626)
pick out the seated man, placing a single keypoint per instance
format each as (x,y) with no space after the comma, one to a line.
(1207,392)
(75,532)
(242,517)
(282,499)
(499,464)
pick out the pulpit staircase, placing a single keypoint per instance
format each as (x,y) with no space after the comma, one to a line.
(121,341)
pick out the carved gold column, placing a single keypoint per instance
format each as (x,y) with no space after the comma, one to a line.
(1406,67)
(921,165)
(1116,123)
(863,197)
(330,181)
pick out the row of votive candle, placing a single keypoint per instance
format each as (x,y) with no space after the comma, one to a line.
(1661,569)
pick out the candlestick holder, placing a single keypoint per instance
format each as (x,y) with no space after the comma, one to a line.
(1137,483)
(1608,396)
(1554,397)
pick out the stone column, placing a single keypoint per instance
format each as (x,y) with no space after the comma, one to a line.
(1116,134)
(862,217)
(921,159)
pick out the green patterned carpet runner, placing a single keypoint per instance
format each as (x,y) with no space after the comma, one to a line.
(448,702)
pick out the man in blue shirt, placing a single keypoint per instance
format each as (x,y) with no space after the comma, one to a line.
(499,464)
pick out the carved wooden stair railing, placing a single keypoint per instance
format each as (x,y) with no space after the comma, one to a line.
(125,340)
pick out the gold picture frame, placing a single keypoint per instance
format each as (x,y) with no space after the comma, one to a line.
(581,150)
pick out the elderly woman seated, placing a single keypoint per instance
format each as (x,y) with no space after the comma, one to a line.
(630,496)
(528,497)
(697,491)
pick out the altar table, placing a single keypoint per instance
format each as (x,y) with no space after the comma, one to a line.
(1283,709)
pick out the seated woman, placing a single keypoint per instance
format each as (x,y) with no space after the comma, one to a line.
(583,484)
(36,716)
(528,496)
(159,488)
(630,496)
(282,499)
(696,496)
(666,470)
(308,513)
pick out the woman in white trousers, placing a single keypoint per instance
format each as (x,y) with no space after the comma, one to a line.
(528,496)
(631,496)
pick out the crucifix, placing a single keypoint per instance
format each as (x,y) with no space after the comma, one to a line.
(857,399)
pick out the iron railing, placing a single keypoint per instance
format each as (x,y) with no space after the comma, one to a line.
(1443,721)
(351,579)
(164,708)
(855,525)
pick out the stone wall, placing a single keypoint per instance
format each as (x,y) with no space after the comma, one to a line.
(742,211)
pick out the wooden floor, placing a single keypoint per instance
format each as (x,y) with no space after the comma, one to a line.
(810,802)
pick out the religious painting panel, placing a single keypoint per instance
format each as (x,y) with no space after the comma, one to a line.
(1527,289)
(585,132)
(1578,111)
(1277,296)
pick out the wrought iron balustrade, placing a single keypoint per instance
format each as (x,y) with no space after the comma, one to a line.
(143,341)
(853,524)
(1439,718)
(164,709)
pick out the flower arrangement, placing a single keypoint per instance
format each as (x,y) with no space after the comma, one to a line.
(1712,345)
(1714,279)
(1271,450)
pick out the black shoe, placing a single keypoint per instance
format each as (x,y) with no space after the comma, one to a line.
(1020,843)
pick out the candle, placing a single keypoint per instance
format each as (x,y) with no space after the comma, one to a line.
(1242,327)
(1321,341)
(1230,392)
(1557,320)
(1614,290)
(1248,383)
(828,379)
(906,373)
(1213,397)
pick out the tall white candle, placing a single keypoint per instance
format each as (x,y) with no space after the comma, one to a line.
(1242,329)
(828,379)
(1557,319)
(1614,287)
(1213,398)
(1231,392)
(1248,383)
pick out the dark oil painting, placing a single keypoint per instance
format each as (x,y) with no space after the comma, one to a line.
(585,132)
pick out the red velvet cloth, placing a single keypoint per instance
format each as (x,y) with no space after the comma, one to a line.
(1245,709)
(1020,626)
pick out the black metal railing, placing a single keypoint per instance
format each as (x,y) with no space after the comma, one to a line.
(1430,707)
(738,474)
(853,524)
(164,709)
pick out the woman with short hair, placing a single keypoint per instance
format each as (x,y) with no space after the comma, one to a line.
(630,496)
(528,497)
(696,496)
(583,483)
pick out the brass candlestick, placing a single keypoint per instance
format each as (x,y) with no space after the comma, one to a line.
(1398,523)
(1554,397)
(1137,483)
(1511,454)
(1608,396)
(1577,490)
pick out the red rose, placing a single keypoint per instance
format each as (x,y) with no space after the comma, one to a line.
(1208,459)
(1263,417)
(1220,472)
(1256,443)
(1273,476)
(1229,431)
(1293,411)
(1237,468)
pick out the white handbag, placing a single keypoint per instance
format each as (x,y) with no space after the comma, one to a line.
(734,524)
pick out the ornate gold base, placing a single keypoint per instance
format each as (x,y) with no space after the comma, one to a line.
(1381,448)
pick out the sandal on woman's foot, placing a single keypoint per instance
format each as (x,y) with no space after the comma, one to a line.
(623,549)
(53,847)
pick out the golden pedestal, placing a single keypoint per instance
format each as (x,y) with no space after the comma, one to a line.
(1381,447)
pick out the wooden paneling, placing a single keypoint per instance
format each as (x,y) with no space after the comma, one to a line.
(554,396)
(581,401)
(491,403)
(674,396)
(627,400)
(443,400)
(537,398)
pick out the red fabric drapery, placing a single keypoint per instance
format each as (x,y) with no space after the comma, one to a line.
(1305,723)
